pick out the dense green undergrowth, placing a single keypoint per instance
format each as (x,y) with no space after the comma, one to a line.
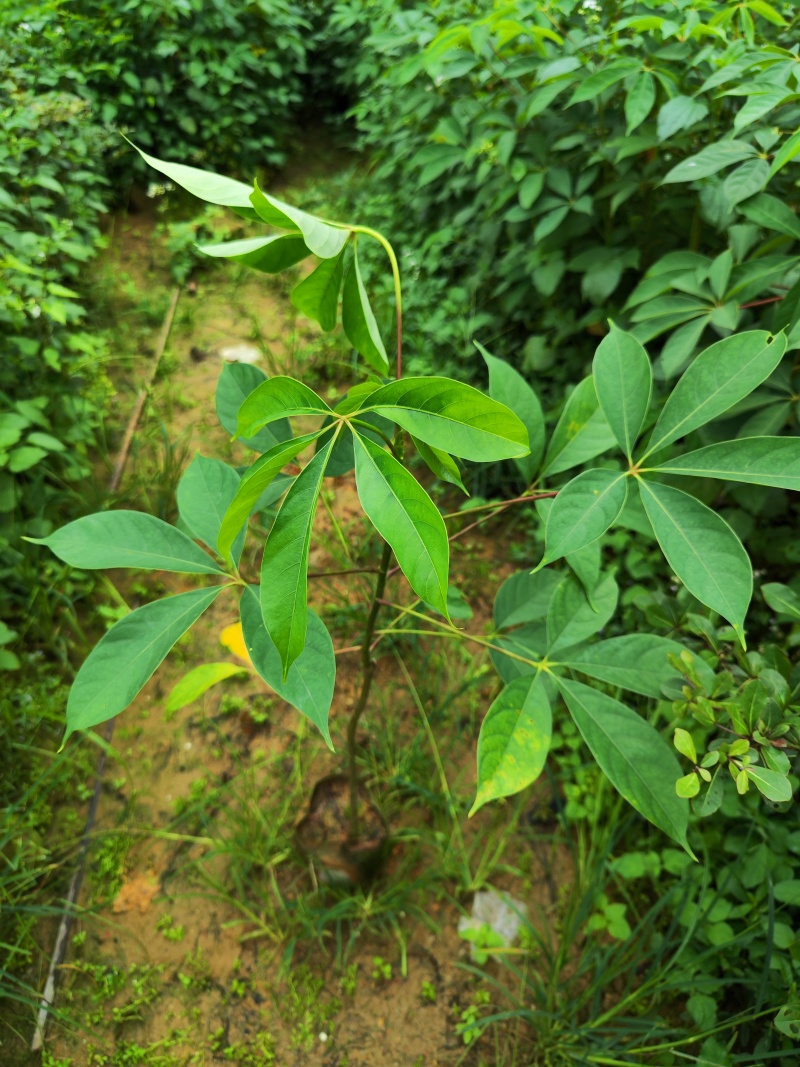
(542,168)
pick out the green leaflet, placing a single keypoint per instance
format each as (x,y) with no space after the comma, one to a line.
(771,784)
(253,484)
(452,417)
(581,433)
(127,539)
(638,662)
(639,100)
(199,681)
(524,597)
(317,296)
(213,188)
(596,83)
(634,757)
(771,213)
(586,564)
(571,618)
(771,461)
(745,181)
(236,382)
(359,322)
(786,153)
(406,517)
(508,387)
(323,240)
(782,598)
(710,160)
(284,592)
(583,510)
(720,377)
(623,380)
(276,398)
(204,495)
(126,657)
(310,682)
(514,740)
(442,465)
(702,550)
(270,255)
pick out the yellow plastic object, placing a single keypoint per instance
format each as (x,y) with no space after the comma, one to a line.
(233,639)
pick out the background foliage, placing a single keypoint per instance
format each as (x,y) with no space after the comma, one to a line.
(537,166)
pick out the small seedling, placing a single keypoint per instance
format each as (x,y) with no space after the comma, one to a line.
(172,932)
(467,1026)
(428,992)
(381,970)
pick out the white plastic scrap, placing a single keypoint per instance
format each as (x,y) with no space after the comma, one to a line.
(500,912)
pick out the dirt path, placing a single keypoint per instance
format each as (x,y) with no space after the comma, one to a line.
(199,897)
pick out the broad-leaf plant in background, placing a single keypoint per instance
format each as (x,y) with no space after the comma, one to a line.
(545,621)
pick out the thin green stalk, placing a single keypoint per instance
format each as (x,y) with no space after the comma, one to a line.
(439,770)
(368,673)
(398,294)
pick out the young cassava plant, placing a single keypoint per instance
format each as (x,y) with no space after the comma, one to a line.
(544,620)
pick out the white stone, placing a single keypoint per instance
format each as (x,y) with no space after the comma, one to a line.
(240,354)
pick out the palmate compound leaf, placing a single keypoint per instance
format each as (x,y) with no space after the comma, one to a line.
(508,387)
(514,740)
(126,657)
(632,754)
(582,431)
(253,483)
(284,566)
(405,517)
(583,510)
(702,550)
(358,320)
(623,379)
(719,377)
(278,398)
(771,461)
(199,681)
(317,295)
(204,494)
(127,539)
(452,417)
(310,682)
(236,382)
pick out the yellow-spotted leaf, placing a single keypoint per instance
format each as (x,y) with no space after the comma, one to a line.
(514,740)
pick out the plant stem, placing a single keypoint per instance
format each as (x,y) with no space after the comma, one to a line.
(368,672)
(398,295)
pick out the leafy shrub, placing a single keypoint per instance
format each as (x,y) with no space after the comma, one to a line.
(556,155)
(217,80)
(52,393)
